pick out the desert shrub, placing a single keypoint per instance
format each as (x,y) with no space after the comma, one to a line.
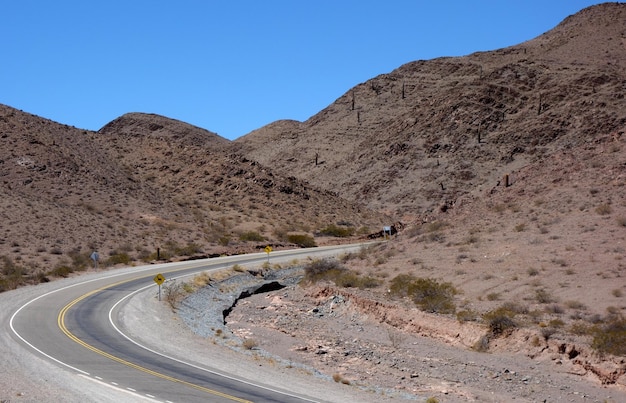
(224,240)
(340,379)
(427,293)
(302,240)
(80,261)
(62,270)
(399,285)
(173,293)
(332,270)
(251,236)
(500,320)
(336,231)
(493,296)
(432,400)
(573,304)
(189,250)
(467,315)
(9,268)
(543,297)
(12,274)
(118,258)
(320,268)
(610,337)
(580,328)
(250,344)
(604,209)
(435,226)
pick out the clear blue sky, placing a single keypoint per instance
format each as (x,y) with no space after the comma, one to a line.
(234,66)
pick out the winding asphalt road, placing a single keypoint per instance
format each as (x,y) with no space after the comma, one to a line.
(76,327)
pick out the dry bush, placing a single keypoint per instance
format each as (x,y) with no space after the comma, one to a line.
(250,344)
(604,209)
(543,297)
(340,379)
(173,293)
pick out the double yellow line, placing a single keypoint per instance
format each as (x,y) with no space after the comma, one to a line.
(68,333)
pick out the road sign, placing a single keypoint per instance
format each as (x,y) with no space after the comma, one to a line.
(159,279)
(268,249)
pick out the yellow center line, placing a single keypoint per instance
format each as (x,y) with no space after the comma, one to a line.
(68,333)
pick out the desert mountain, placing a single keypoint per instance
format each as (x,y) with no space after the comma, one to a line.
(142,182)
(414,140)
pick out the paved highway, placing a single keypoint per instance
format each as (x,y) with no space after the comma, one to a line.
(75,327)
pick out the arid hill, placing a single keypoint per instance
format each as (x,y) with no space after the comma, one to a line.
(142,182)
(417,138)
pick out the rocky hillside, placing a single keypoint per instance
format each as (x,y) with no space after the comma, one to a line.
(413,140)
(142,183)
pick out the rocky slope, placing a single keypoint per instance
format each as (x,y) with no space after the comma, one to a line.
(422,135)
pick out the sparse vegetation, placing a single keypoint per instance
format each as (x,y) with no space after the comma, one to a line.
(429,294)
(302,240)
(340,379)
(250,344)
(332,270)
(251,236)
(604,209)
(610,337)
(173,292)
(337,231)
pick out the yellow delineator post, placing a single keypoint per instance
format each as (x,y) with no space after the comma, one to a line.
(159,279)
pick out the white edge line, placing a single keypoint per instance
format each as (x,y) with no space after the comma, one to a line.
(127,390)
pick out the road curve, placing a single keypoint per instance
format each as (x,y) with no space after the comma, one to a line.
(74,327)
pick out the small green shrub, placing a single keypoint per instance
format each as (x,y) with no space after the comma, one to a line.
(610,337)
(427,293)
(189,250)
(251,236)
(61,270)
(336,231)
(118,258)
(302,240)
(332,270)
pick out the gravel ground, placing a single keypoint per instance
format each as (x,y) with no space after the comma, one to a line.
(322,331)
